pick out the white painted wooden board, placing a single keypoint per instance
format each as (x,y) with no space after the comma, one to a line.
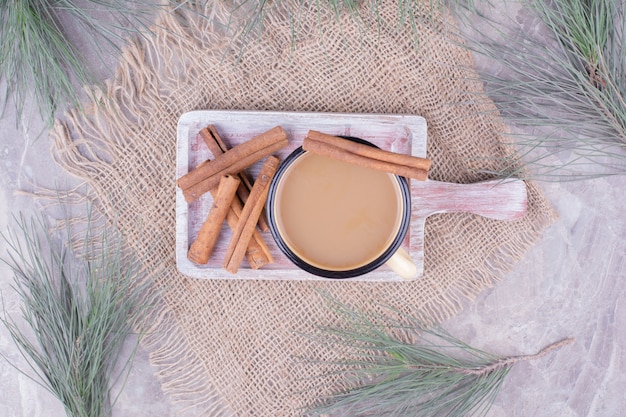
(397,133)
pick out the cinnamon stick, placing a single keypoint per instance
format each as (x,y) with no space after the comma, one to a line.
(217,146)
(202,248)
(365,155)
(206,176)
(249,216)
(258,253)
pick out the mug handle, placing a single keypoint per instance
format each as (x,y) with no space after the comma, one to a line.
(402,264)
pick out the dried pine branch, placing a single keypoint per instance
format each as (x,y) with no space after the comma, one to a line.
(80,307)
(393,364)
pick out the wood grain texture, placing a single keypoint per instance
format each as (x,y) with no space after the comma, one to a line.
(397,133)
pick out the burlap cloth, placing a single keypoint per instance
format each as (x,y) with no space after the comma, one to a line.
(236,340)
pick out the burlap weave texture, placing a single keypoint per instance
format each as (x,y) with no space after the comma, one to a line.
(236,340)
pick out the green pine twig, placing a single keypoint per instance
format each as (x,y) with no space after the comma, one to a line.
(43,70)
(564,84)
(80,307)
(394,364)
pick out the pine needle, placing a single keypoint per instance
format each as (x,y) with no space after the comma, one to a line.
(40,64)
(395,364)
(565,81)
(79,306)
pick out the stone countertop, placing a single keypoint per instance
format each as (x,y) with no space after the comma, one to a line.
(572,283)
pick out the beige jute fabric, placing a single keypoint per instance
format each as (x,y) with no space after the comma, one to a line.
(228,346)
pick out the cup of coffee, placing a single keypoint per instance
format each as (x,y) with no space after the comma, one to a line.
(339,220)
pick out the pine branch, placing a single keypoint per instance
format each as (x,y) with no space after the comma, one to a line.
(565,80)
(80,301)
(41,65)
(394,364)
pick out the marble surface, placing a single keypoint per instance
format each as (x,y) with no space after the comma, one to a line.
(25,166)
(570,284)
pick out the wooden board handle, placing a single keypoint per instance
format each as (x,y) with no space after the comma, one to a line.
(496,199)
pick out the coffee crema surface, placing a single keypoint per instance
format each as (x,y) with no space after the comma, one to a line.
(335,215)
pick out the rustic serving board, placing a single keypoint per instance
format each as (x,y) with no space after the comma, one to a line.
(397,133)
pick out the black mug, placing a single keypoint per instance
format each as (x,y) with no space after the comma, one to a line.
(331,204)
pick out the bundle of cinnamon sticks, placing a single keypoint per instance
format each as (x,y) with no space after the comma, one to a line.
(240,201)
(236,199)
